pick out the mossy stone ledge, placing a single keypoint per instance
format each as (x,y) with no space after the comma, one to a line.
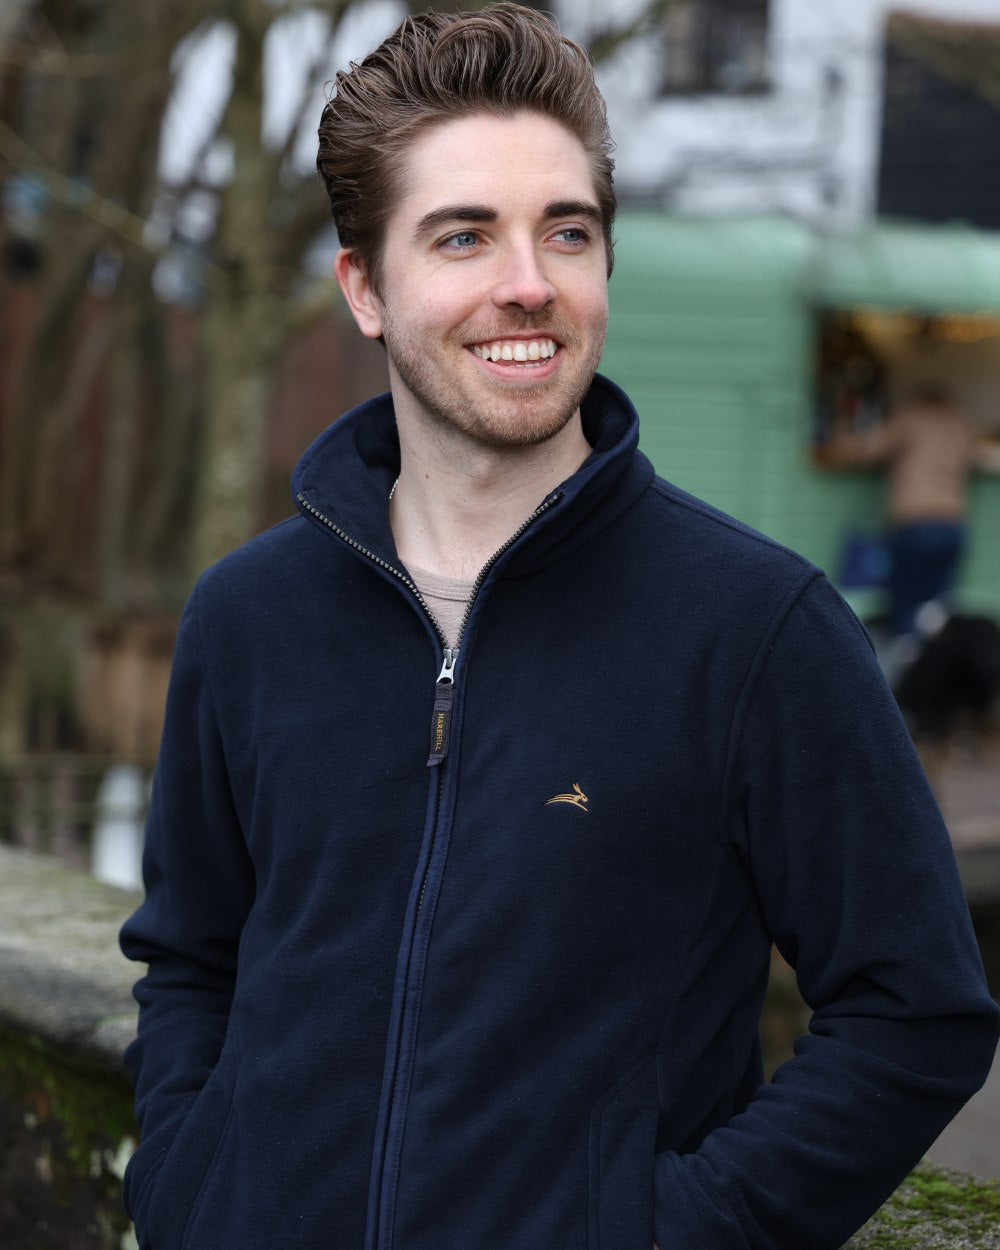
(66,1014)
(936,1209)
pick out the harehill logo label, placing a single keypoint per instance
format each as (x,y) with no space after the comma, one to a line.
(577,798)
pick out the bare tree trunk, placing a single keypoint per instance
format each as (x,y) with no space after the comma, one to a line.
(120,436)
(44,370)
(53,512)
(241,346)
(167,468)
(95,131)
(242,326)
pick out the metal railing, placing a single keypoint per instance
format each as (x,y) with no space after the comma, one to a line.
(86,810)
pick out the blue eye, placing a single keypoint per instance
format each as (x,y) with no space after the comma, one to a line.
(462,239)
(572,234)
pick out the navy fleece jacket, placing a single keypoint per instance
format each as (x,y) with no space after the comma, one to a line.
(508,998)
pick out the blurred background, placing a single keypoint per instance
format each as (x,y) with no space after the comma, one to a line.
(809,242)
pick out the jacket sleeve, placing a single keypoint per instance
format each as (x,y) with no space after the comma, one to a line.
(199,888)
(857,883)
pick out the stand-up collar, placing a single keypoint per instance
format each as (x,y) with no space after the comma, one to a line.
(347,473)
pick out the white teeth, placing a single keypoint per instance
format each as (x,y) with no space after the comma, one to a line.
(516,350)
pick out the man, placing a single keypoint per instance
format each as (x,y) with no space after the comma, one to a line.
(488,780)
(929,448)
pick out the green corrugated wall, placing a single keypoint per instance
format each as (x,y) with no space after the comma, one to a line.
(712,334)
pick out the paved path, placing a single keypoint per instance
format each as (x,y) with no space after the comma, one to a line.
(969,793)
(968,789)
(971,1143)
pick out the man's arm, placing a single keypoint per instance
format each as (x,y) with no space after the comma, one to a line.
(856,880)
(867,448)
(199,888)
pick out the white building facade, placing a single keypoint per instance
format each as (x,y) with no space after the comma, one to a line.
(786,119)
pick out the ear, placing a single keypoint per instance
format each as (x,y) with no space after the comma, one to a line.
(365,306)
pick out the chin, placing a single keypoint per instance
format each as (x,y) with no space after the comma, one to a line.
(513,436)
(523,425)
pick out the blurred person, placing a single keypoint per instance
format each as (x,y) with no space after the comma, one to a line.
(489,779)
(952,687)
(928,448)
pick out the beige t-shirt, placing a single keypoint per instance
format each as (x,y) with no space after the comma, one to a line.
(446,598)
(928,450)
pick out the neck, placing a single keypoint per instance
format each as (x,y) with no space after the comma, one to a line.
(456,502)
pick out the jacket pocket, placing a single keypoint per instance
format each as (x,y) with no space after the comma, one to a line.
(179,1181)
(622,1150)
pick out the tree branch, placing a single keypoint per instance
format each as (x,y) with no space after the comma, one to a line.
(56,61)
(74,194)
(603,43)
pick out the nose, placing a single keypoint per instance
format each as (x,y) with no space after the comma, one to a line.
(522,282)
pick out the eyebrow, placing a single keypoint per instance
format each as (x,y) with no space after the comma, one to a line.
(479,212)
(453,212)
(573,208)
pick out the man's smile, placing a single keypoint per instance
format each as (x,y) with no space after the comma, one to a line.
(523,351)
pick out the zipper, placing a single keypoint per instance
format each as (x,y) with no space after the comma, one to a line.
(444,686)
(382,564)
(444,697)
(381,1203)
(544,506)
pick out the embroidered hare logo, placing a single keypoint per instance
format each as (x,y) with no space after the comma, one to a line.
(577,798)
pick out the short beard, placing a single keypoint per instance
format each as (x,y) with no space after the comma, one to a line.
(493,428)
(525,423)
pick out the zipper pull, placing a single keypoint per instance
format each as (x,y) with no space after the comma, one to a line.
(444,694)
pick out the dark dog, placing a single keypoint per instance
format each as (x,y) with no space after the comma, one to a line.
(953,684)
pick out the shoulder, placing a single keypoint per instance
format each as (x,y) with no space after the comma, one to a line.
(267,567)
(707,545)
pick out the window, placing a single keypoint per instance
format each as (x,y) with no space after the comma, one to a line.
(717,46)
(940,149)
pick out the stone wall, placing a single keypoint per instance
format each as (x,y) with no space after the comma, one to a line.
(66,1127)
(66,1014)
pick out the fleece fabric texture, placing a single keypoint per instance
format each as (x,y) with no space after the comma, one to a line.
(510,1000)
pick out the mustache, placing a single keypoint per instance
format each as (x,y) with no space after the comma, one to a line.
(542,321)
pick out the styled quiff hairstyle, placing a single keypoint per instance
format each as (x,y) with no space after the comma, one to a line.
(437,67)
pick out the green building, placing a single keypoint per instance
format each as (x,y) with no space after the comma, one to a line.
(737,339)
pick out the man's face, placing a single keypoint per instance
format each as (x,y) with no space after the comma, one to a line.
(493,299)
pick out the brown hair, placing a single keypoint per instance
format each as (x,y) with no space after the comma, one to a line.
(436,67)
